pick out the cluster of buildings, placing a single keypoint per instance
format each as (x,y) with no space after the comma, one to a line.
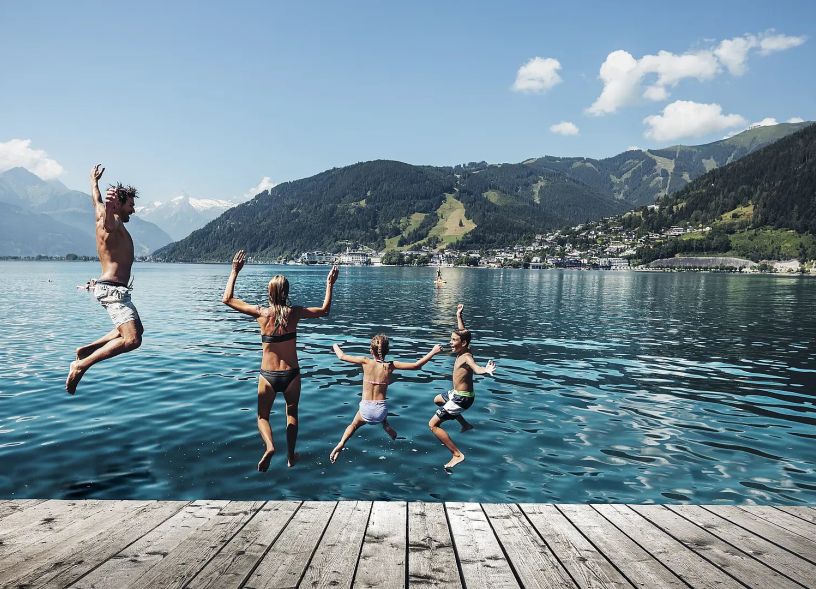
(602,244)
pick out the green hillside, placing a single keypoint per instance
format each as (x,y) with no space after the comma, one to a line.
(396,206)
(762,206)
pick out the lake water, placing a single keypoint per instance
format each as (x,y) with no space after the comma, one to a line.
(611,387)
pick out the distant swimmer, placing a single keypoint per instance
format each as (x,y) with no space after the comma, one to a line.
(114,246)
(376,376)
(280,372)
(453,403)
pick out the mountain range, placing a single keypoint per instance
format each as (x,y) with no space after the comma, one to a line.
(46,217)
(183,214)
(392,205)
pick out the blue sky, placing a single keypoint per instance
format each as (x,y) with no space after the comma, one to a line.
(210,98)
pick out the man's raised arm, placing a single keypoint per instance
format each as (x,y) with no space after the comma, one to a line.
(96,196)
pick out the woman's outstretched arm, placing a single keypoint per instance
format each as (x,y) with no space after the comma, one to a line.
(229,292)
(309,312)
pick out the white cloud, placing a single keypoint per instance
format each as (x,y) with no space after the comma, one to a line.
(265,184)
(623,75)
(684,118)
(18,152)
(795,120)
(537,75)
(564,128)
(733,53)
(772,43)
(766,122)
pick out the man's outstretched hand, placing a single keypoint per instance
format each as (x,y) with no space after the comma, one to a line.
(96,172)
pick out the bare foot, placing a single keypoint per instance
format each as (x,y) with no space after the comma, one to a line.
(292,460)
(263,465)
(335,453)
(82,353)
(74,376)
(391,432)
(454,461)
(466,427)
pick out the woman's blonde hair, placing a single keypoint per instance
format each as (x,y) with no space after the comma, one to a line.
(279,300)
(379,346)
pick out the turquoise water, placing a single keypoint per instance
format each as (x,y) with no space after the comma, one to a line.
(611,387)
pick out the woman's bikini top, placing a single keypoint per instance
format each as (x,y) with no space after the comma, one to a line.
(273,339)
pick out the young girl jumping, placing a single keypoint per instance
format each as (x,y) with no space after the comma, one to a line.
(376,375)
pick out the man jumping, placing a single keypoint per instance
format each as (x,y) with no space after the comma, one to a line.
(114,246)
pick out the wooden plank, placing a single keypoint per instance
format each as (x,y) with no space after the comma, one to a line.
(79,558)
(335,559)
(53,546)
(797,544)
(382,558)
(12,506)
(284,564)
(41,521)
(480,556)
(736,563)
(193,553)
(783,520)
(683,562)
(232,566)
(806,513)
(631,559)
(128,565)
(769,553)
(431,558)
(587,566)
(532,559)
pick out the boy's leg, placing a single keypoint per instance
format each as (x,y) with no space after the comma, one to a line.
(130,339)
(466,425)
(87,349)
(389,430)
(266,396)
(292,396)
(436,427)
(352,427)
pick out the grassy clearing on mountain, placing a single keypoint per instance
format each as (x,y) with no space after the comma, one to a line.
(408,224)
(453,223)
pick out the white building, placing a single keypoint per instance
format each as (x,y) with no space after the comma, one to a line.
(350,258)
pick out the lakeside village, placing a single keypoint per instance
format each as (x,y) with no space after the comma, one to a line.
(592,246)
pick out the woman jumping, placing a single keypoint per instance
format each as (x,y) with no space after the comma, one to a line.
(279,366)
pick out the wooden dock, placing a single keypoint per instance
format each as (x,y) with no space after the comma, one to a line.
(390,544)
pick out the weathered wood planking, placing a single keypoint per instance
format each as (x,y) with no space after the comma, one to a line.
(586,564)
(770,531)
(335,559)
(284,563)
(236,561)
(684,563)
(535,563)
(382,559)
(633,561)
(769,553)
(288,544)
(431,558)
(480,556)
(736,563)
